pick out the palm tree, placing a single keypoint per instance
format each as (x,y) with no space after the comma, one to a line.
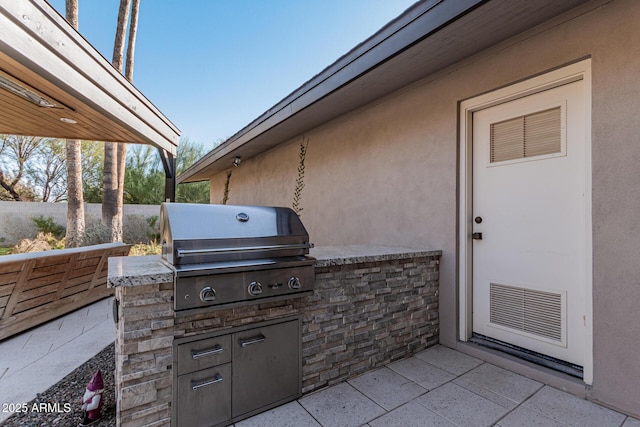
(115,154)
(75,205)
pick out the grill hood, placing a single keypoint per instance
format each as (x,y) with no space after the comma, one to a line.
(197,233)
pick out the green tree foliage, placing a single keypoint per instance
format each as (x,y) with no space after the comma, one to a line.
(143,178)
(195,192)
(33,169)
(144,175)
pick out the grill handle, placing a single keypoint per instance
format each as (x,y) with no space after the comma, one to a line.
(188,252)
(214,380)
(208,352)
(260,338)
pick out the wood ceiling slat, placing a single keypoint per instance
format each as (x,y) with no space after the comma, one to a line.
(18,116)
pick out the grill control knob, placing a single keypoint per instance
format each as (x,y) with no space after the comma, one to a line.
(255,288)
(294,283)
(208,294)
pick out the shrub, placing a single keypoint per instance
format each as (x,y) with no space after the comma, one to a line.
(42,242)
(140,250)
(49,226)
(138,229)
(154,225)
(95,232)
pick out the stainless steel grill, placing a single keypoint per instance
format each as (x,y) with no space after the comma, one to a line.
(233,255)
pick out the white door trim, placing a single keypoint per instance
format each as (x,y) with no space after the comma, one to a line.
(574,72)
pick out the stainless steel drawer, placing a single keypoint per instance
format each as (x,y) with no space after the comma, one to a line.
(202,354)
(205,397)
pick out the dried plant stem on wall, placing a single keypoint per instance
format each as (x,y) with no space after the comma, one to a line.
(225,196)
(297,194)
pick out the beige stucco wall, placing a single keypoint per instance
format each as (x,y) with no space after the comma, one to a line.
(387,174)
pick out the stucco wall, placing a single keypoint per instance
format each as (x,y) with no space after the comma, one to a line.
(387,174)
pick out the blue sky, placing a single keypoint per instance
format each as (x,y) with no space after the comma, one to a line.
(212,66)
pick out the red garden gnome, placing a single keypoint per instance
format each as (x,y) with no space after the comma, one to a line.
(92,400)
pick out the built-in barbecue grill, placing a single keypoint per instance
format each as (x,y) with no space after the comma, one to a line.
(225,254)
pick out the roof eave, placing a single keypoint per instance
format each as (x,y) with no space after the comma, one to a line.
(425,39)
(41,48)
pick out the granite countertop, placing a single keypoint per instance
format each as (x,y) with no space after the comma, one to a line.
(147,270)
(138,270)
(354,254)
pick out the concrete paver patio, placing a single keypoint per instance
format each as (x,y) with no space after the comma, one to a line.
(436,387)
(440,387)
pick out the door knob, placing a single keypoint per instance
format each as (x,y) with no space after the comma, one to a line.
(477,236)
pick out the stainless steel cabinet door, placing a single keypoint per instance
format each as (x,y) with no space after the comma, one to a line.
(266,366)
(205,397)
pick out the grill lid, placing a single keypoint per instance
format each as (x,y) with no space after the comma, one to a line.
(197,233)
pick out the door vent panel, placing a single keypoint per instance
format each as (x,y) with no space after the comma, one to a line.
(531,135)
(531,311)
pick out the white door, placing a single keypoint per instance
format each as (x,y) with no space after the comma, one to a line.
(529,262)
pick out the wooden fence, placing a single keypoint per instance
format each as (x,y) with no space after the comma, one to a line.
(38,287)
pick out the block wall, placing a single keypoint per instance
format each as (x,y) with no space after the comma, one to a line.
(58,211)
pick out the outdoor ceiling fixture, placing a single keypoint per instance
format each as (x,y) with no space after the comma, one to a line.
(68,120)
(23,91)
(236,161)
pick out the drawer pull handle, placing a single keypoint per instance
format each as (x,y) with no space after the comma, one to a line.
(260,338)
(214,380)
(198,354)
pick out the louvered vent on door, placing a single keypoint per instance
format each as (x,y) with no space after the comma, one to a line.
(531,135)
(536,312)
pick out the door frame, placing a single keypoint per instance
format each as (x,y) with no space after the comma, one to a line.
(558,77)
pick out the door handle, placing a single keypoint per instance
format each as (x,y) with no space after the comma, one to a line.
(214,380)
(476,236)
(198,354)
(260,338)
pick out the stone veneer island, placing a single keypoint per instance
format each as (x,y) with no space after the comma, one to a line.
(371,305)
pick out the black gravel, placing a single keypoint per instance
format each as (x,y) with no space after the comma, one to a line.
(69,391)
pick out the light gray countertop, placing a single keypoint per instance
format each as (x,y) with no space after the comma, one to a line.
(147,270)
(354,254)
(138,270)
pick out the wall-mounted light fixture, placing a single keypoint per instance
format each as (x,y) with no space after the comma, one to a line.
(236,161)
(23,91)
